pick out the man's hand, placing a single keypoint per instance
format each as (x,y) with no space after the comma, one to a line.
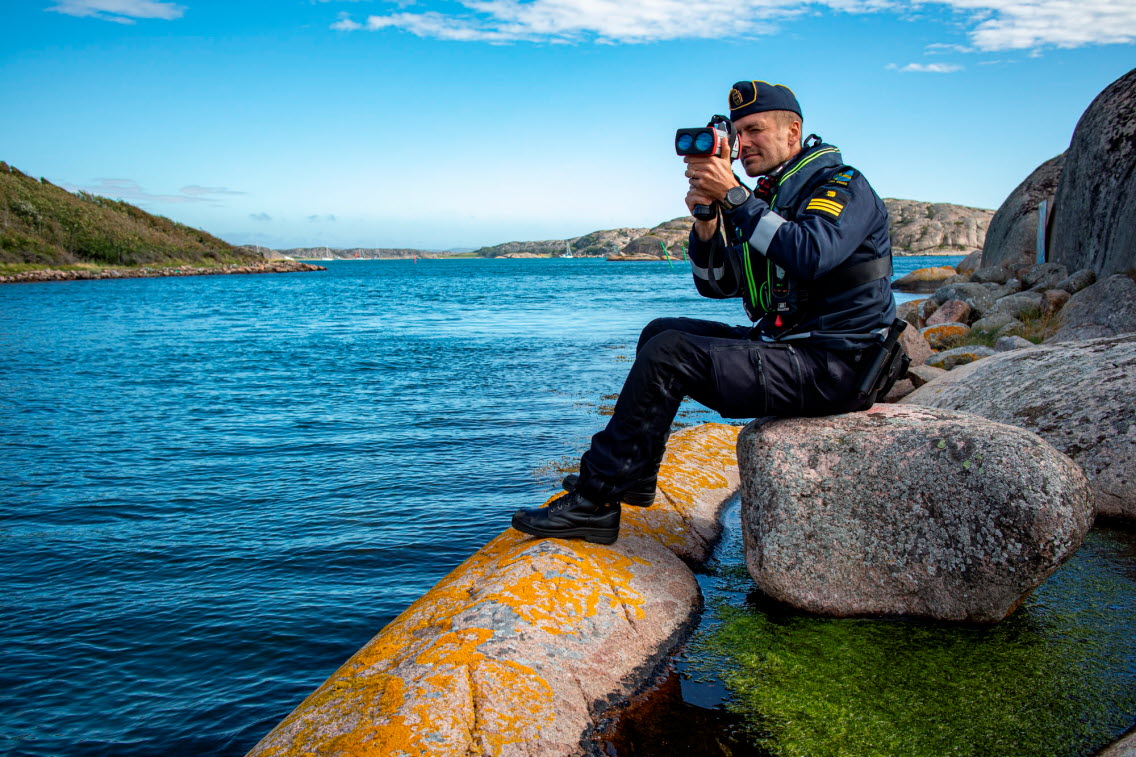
(710,178)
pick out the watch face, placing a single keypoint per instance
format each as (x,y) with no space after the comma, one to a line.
(736,196)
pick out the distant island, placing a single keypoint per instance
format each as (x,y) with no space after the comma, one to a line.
(917,228)
(46,227)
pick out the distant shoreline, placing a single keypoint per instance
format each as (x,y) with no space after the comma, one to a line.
(147,272)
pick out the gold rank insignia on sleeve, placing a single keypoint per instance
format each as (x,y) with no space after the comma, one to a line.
(825,206)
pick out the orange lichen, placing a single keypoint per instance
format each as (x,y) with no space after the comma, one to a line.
(425,685)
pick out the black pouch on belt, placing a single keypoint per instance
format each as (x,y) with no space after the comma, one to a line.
(886,363)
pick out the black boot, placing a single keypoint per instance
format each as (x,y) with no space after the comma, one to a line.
(640,494)
(571,516)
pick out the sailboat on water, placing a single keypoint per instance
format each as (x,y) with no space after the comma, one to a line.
(567,250)
(327,254)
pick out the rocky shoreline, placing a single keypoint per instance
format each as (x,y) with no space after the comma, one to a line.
(147,272)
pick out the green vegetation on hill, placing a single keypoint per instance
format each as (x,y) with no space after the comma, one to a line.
(42,226)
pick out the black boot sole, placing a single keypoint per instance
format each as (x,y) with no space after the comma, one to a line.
(593,535)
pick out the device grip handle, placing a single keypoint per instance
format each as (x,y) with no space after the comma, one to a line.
(705,212)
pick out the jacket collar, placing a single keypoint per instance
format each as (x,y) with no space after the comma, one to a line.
(803,167)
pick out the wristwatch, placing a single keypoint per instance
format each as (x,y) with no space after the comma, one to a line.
(735,197)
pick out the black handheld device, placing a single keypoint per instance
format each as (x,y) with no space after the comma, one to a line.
(708,140)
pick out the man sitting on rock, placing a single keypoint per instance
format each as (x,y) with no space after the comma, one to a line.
(808,253)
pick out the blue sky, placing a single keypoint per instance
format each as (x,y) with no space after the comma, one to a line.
(457,124)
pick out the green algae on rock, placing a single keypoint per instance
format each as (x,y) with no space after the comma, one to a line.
(1056,679)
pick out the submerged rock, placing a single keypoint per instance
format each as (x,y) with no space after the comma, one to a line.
(906,511)
(1078,396)
(923,279)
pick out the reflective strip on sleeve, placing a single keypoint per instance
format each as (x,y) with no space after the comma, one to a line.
(706,273)
(766,228)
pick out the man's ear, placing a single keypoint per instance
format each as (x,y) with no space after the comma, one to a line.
(794,133)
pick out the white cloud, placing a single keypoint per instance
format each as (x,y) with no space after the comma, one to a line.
(925,68)
(260,216)
(345,24)
(130,191)
(992,24)
(1030,24)
(196,191)
(119,11)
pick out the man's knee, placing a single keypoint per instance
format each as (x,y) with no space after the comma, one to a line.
(670,346)
(654,329)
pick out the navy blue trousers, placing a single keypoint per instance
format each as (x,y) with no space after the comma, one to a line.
(720,367)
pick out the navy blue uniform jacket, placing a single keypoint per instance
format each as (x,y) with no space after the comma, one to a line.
(823,217)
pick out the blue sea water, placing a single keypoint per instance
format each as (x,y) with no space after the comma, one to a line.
(213,490)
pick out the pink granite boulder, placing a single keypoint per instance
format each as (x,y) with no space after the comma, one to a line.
(951,311)
(906,510)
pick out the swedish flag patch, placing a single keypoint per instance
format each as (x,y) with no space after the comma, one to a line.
(827,202)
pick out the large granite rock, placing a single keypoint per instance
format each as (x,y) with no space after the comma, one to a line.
(906,511)
(1106,308)
(1078,396)
(1012,236)
(1094,223)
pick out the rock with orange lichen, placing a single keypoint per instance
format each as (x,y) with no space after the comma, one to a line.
(517,649)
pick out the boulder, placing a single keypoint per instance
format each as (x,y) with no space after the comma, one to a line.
(1106,308)
(944,335)
(1094,221)
(980,297)
(1054,300)
(1012,236)
(1014,285)
(899,390)
(923,279)
(922,374)
(927,309)
(1078,396)
(996,325)
(952,358)
(1044,276)
(1077,281)
(1020,305)
(906,511)
(909,311)
(970,263)
(991,274)
(915,346)
(1007,343)
(951,311)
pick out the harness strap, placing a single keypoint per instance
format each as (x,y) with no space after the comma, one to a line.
(851,277)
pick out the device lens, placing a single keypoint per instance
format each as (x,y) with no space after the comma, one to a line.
(684,142)
(704,141)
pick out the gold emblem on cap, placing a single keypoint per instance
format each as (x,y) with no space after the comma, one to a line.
(737,99)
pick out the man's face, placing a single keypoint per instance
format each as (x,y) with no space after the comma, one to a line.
(767,141)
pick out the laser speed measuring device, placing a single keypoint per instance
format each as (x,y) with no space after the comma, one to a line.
(708,140)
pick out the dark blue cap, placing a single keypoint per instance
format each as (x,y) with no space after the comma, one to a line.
(759,97)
